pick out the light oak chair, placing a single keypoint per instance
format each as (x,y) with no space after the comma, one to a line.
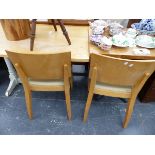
(40,71)
(117,77)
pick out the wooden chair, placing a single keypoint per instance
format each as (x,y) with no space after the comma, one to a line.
(40,71)
(117,77)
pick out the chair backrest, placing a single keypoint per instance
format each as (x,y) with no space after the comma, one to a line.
(118,71)
(42,65)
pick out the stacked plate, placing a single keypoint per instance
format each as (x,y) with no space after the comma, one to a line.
(123,38)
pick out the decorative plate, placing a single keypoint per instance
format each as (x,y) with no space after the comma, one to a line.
(142,32)
(123,41)
(95,39)
(145,41)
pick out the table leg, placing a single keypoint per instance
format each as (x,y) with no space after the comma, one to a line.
(14,79)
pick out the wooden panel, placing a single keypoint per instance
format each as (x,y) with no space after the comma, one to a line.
(118,71)
(42,66)
(16,29)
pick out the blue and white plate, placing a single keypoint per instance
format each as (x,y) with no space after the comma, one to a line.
(145,26)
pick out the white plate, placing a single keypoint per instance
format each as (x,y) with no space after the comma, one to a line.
(144,46)
(119,45)
(123,41)
(145,41)
(141,51)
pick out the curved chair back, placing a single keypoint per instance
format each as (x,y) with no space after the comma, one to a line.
(117,71)
(41,65)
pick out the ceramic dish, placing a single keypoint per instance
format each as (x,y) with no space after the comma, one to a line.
(105,43)
(98,30)
(115,31)
(131,33)
(145,41)
(123,41)
(115,28)
(95,38)
(141,51)
(98,23)
(145,26)
(145,32)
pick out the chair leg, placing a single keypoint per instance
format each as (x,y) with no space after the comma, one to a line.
(67,91)
(71,81)
(64,31)
(91,85)
(33,31)
(131,103)
(54,24)
(28,99)
(88,103)
(68,103)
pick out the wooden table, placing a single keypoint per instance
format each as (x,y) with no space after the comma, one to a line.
(126,53)
(47,40)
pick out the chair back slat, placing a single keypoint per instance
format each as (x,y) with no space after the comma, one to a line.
(42,65)
(118,71)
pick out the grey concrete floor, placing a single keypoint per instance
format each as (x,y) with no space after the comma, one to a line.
(49,113)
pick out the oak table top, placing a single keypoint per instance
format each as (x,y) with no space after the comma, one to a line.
(49,40)
(126,53)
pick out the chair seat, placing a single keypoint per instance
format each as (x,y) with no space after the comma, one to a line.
(46,83)
(52,85)
(112,90)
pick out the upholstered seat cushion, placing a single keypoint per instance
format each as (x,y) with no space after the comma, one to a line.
(106,89)
(47,83)
(53,85)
